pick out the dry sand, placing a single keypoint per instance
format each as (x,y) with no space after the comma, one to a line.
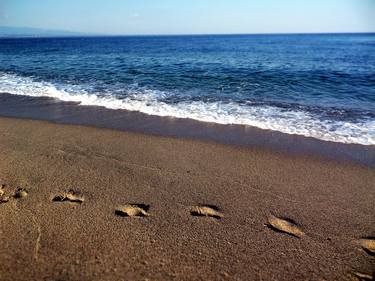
(82,203)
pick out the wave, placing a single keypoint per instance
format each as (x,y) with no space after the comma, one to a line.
(152,102)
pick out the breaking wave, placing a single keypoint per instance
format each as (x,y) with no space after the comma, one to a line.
(287,120)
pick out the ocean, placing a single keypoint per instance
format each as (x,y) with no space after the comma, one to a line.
(318,85)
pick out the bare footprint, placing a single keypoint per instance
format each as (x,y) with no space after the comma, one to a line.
(3,197)
(69,197)
(2,189)
(285,225)
(368,244)
(362,276)
(206,211)
(20,193)
(133,210)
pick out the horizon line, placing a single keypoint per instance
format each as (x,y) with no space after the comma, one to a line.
(92,34)
(179,34)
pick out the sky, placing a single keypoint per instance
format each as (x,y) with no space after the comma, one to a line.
(129,17)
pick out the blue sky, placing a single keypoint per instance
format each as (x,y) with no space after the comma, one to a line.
(191,16)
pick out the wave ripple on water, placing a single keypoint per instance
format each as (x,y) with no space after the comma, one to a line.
(272,117)
(315,85)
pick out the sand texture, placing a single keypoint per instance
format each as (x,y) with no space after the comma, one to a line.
(80,203)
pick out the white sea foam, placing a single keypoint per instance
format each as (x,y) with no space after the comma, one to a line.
(148,101)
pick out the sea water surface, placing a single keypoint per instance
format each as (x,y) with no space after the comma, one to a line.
(320,86)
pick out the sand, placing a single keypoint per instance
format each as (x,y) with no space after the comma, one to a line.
(80,203)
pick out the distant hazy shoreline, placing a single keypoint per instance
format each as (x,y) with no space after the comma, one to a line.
(28,32)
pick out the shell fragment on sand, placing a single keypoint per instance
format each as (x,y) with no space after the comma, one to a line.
(132,210)
(286,226)
(368,244)
(206,211)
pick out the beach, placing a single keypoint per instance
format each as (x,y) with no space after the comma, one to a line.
(84,203)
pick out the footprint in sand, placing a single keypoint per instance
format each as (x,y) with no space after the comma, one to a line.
(284,225)
(69,197)
(3,197)
(20,193)
(133,210)
(368,245)
(362,276)
(206,211)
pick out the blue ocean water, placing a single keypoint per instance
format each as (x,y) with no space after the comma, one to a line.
(322,86)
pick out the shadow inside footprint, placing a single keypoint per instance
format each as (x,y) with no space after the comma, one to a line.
(284,225)
(20,193)
(363,276)
(368,245)
(206,211)
(133,210)
(70,197)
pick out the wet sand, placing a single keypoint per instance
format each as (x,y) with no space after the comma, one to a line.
(60,112)
(99,204)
